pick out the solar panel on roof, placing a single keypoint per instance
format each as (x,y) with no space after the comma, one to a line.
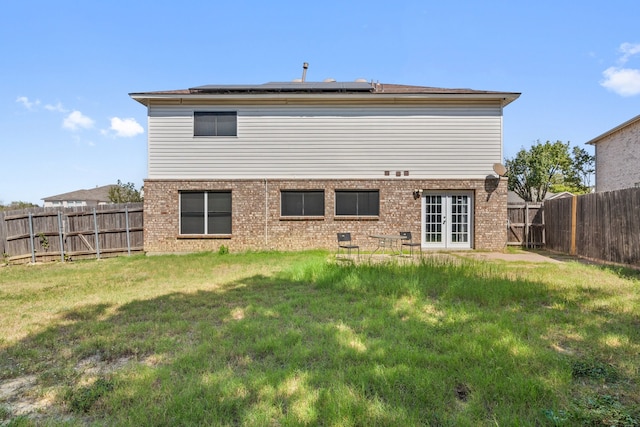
(328,86)
(288,87)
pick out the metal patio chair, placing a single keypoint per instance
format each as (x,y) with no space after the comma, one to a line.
(407,242)
(345,243)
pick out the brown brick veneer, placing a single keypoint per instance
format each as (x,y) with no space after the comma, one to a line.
(257,227)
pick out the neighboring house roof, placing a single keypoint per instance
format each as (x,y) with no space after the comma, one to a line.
(514,199)
(560,195)
(330,89)
(98,194)
(615,129)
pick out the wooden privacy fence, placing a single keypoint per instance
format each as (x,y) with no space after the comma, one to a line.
(47,234)
(525,225)
(603,226)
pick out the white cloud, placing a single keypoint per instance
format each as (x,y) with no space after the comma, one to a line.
(33,105)
(58,107)
(76,120)
(622,80)
(628,50)
(125,128)
(29,105)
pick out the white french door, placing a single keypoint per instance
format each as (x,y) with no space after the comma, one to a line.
(447,220)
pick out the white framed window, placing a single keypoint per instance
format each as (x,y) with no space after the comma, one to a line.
(302,203)
(215,123)
(357,202)
(205,212)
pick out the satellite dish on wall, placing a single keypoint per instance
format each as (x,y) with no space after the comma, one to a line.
(499,169)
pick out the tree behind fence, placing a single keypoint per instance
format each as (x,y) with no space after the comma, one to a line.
(604,226)
(46,234)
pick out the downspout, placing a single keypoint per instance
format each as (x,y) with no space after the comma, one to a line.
(266,213)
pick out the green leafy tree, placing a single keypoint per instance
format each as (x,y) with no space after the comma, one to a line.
(125,193)
(583,168)
(17,206)
(549,166)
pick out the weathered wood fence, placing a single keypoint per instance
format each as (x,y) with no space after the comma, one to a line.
(47,234)
(603,226)
(525,225)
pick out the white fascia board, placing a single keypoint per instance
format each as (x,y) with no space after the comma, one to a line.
(503,98)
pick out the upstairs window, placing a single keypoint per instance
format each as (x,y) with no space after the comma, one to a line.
(302,203)
(211,123)
(205,212)
(358,202)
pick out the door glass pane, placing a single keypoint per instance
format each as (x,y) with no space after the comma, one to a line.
(459,219)
(433,225)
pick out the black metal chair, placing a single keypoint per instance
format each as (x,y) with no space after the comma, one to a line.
(345,243)
(407,241)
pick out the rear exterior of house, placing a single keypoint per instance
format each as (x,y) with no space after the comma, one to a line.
(618,157)
(289,165)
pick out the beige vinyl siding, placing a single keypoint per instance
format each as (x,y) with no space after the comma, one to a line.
(449,141)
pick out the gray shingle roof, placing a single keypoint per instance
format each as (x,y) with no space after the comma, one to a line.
(98,194)
(332,87)
(615,129)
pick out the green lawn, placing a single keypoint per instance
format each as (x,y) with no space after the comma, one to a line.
(288,339)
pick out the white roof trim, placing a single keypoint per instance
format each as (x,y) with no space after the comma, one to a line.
(615,129)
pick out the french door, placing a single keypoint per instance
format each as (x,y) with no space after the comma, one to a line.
(447,220)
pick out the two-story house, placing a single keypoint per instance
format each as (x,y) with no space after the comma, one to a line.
(289,165)
(618,157)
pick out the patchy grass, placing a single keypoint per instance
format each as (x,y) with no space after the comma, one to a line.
(295,339)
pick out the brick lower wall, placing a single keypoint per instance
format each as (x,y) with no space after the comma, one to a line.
(257,224)
(617,159)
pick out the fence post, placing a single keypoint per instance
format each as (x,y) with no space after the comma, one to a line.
(33,249)
(61,238)
(526,225)
(126,217)
(544,227)
(3,235)
(95,226)
(574,220)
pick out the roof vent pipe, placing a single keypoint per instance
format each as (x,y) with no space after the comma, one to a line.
(304,71)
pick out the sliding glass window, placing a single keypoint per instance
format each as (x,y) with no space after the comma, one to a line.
(205,212)
(302,203)
(357,202)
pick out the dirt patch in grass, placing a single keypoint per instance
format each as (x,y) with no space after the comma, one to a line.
(18,395)
(24,397)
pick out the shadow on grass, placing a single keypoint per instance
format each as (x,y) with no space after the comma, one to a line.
(382,344)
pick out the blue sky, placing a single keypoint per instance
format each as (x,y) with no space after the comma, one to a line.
(67,67)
